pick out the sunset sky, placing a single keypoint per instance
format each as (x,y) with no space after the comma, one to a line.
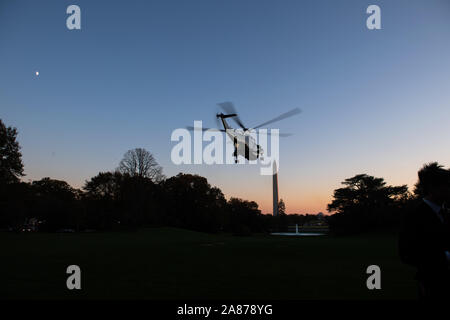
(373,101)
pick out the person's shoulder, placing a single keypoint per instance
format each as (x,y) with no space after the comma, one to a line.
(417,208)
(422,211)
(421,205)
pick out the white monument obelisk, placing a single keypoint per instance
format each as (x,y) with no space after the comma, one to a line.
(275,188)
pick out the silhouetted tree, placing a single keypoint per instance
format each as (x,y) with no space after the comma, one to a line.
(245,217)
(115,198)
(366,202)
(55,203)
(11,166)
(135,195)
(101,200)
(138,201)
(191,202)
(281,207)
(105,185)
(365,191)
(57,188)
(141,163)
(16,204)
(280,222)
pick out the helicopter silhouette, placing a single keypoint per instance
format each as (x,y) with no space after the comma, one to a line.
(244,144)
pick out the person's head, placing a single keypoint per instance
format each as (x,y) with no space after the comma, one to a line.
(434,182)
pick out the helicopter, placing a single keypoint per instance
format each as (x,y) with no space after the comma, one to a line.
(244,144)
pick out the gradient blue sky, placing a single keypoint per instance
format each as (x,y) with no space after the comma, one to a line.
(373,102)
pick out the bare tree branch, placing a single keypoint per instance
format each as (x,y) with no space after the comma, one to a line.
(141,163)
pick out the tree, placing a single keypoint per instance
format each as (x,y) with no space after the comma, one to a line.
(245,217)
(105,185)
(192,203)
(11,166)
(114,198)
(141,163)
(363,190)
(101,199)
(55,202)
(281,207)
(366,202)
(55,188)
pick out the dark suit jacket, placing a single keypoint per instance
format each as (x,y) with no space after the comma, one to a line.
(423,242)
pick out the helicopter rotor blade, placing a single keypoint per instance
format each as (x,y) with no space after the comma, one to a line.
(285,115)
(205,129)
(283,135)
(229,108)
(218,122)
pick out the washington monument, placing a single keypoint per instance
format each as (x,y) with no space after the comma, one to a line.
(275,188)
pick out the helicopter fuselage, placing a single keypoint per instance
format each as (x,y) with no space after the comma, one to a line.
(244,144)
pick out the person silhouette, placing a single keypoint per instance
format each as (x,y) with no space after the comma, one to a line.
(424,240)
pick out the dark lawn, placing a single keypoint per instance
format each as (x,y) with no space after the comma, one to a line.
(164,263)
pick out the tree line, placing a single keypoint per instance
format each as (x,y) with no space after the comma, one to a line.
(137,194)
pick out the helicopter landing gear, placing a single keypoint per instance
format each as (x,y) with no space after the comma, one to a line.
(235,151)
(235,156)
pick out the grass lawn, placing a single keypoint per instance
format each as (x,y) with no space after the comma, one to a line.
(166,263)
